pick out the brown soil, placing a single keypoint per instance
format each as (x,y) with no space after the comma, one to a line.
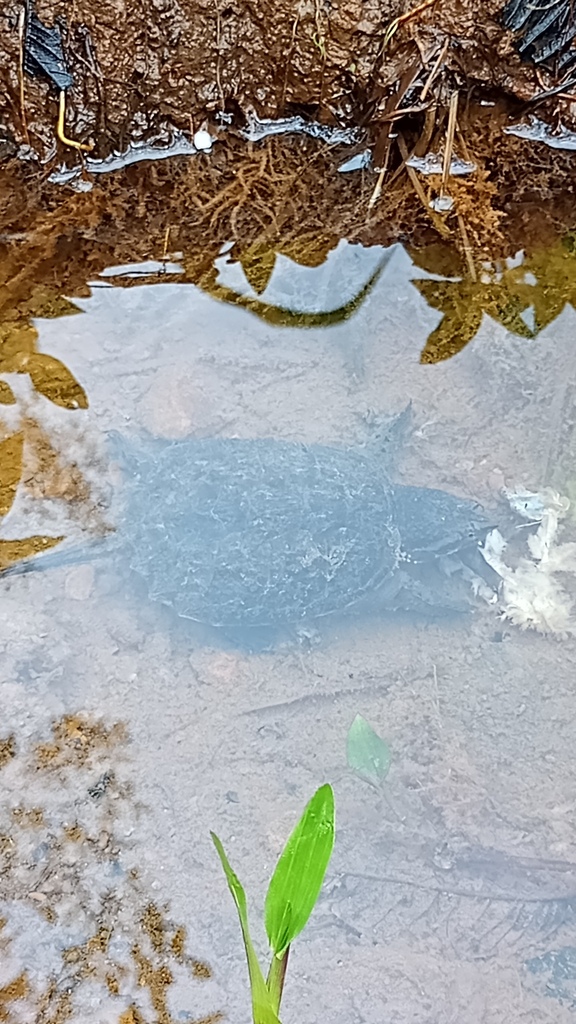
(139,67)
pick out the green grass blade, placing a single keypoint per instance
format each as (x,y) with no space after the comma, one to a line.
(262,1005)
(299,874)
(366,752)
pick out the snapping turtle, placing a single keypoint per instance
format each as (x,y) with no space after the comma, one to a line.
(263,533)
(260,533)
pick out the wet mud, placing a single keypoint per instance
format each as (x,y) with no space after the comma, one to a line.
(170,63)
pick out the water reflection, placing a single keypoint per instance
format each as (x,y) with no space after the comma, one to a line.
(522,294)
(11,469)
(289,294)
(317,281)
(315,299)
(40,483)
(48,376)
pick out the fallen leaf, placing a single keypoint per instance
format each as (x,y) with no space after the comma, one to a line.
(366,752)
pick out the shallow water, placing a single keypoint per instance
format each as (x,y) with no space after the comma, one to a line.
(128,736)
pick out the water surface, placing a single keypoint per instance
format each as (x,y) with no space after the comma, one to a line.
(127,738)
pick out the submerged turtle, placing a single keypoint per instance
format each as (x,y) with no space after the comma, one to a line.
(265,533)
(233,532)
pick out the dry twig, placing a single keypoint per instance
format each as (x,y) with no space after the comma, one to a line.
(439,224)
(467,249)
(21,27)
(449,140)
(395,24)
(437,65)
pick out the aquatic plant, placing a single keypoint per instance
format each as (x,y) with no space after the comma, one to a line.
(292,894)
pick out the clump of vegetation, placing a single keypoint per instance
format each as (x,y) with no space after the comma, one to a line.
(292,894)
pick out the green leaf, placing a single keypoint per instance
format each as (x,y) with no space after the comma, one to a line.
(366,752)
(262,1008)
(297,880)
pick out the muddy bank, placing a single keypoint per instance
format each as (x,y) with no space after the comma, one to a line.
(165,63)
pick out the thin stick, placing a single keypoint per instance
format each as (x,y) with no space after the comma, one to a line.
(393,26)
(166,240)
(21,26)
(417,10)
(462,141)
(434,71)
(421,147)
(288,59)
(396,174)
(60,127)
(397,115)
(467,249)
(394,113)
(449,140)
(218,79)
(412,173)
(439,224)
(378,186)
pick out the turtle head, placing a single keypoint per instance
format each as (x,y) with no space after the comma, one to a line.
(433,523)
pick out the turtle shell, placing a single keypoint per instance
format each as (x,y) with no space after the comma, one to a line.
(259,532)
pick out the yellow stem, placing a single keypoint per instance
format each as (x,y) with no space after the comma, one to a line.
(60,127)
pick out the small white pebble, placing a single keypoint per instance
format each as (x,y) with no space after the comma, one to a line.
(202,140)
